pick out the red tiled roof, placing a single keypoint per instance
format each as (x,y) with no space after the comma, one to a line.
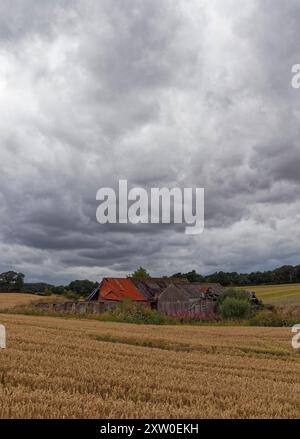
(118,289)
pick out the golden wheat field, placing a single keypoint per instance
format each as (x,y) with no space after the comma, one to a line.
(67,368)
(9,300)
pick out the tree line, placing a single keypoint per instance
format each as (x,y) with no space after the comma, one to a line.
(282,275)
(12,281)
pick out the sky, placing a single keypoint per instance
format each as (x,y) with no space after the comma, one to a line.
(162,93)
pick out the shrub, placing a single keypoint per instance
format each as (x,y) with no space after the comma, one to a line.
(233,293)
(235,308)
(272,318)
(133,312)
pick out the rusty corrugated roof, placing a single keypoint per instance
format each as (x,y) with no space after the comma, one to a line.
(118,289)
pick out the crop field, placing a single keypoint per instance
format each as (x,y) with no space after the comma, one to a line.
(64,368)
(284,294)
(9,300)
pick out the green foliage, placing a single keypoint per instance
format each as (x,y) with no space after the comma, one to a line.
(11,281)
(77,287)
(58,290)
(140,273)
(71,295)
(272,318)
(82,287)
(37,288)
(282,275)
(191,276)
(133,312)
(233,293)
(235,308)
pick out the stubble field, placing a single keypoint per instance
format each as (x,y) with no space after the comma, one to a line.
(65,368)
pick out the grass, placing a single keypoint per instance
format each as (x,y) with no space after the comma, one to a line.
(67,368)
(284,294)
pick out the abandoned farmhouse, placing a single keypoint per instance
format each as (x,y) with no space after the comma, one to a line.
(166,295)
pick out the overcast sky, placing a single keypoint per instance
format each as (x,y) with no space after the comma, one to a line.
(161,93)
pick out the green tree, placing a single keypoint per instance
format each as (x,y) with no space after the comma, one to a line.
(19,283)
(11,281)
(191,276)
(140,273)
(82,287)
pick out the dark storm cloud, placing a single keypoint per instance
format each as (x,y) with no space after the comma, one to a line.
(161,93)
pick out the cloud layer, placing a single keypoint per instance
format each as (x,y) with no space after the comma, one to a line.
(160,93)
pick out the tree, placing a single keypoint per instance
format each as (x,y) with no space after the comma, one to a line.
(191,276)
(140,273)
(82,287)
(11,281)
(285,274)
(220,277)
(19,283)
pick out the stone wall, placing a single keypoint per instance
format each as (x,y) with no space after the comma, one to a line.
(77,307)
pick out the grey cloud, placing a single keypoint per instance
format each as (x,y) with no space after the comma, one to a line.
(161,95)
(23,19)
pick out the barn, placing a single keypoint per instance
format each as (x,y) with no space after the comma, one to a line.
(167,295)
(194,298)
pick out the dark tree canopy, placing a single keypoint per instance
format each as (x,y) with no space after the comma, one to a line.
(82,287)
(140,273)
(281,275)
(11,281)
(191,276)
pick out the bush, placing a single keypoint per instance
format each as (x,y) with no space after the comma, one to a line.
(233,293)
(133,312)
(272,318)
(235,308)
